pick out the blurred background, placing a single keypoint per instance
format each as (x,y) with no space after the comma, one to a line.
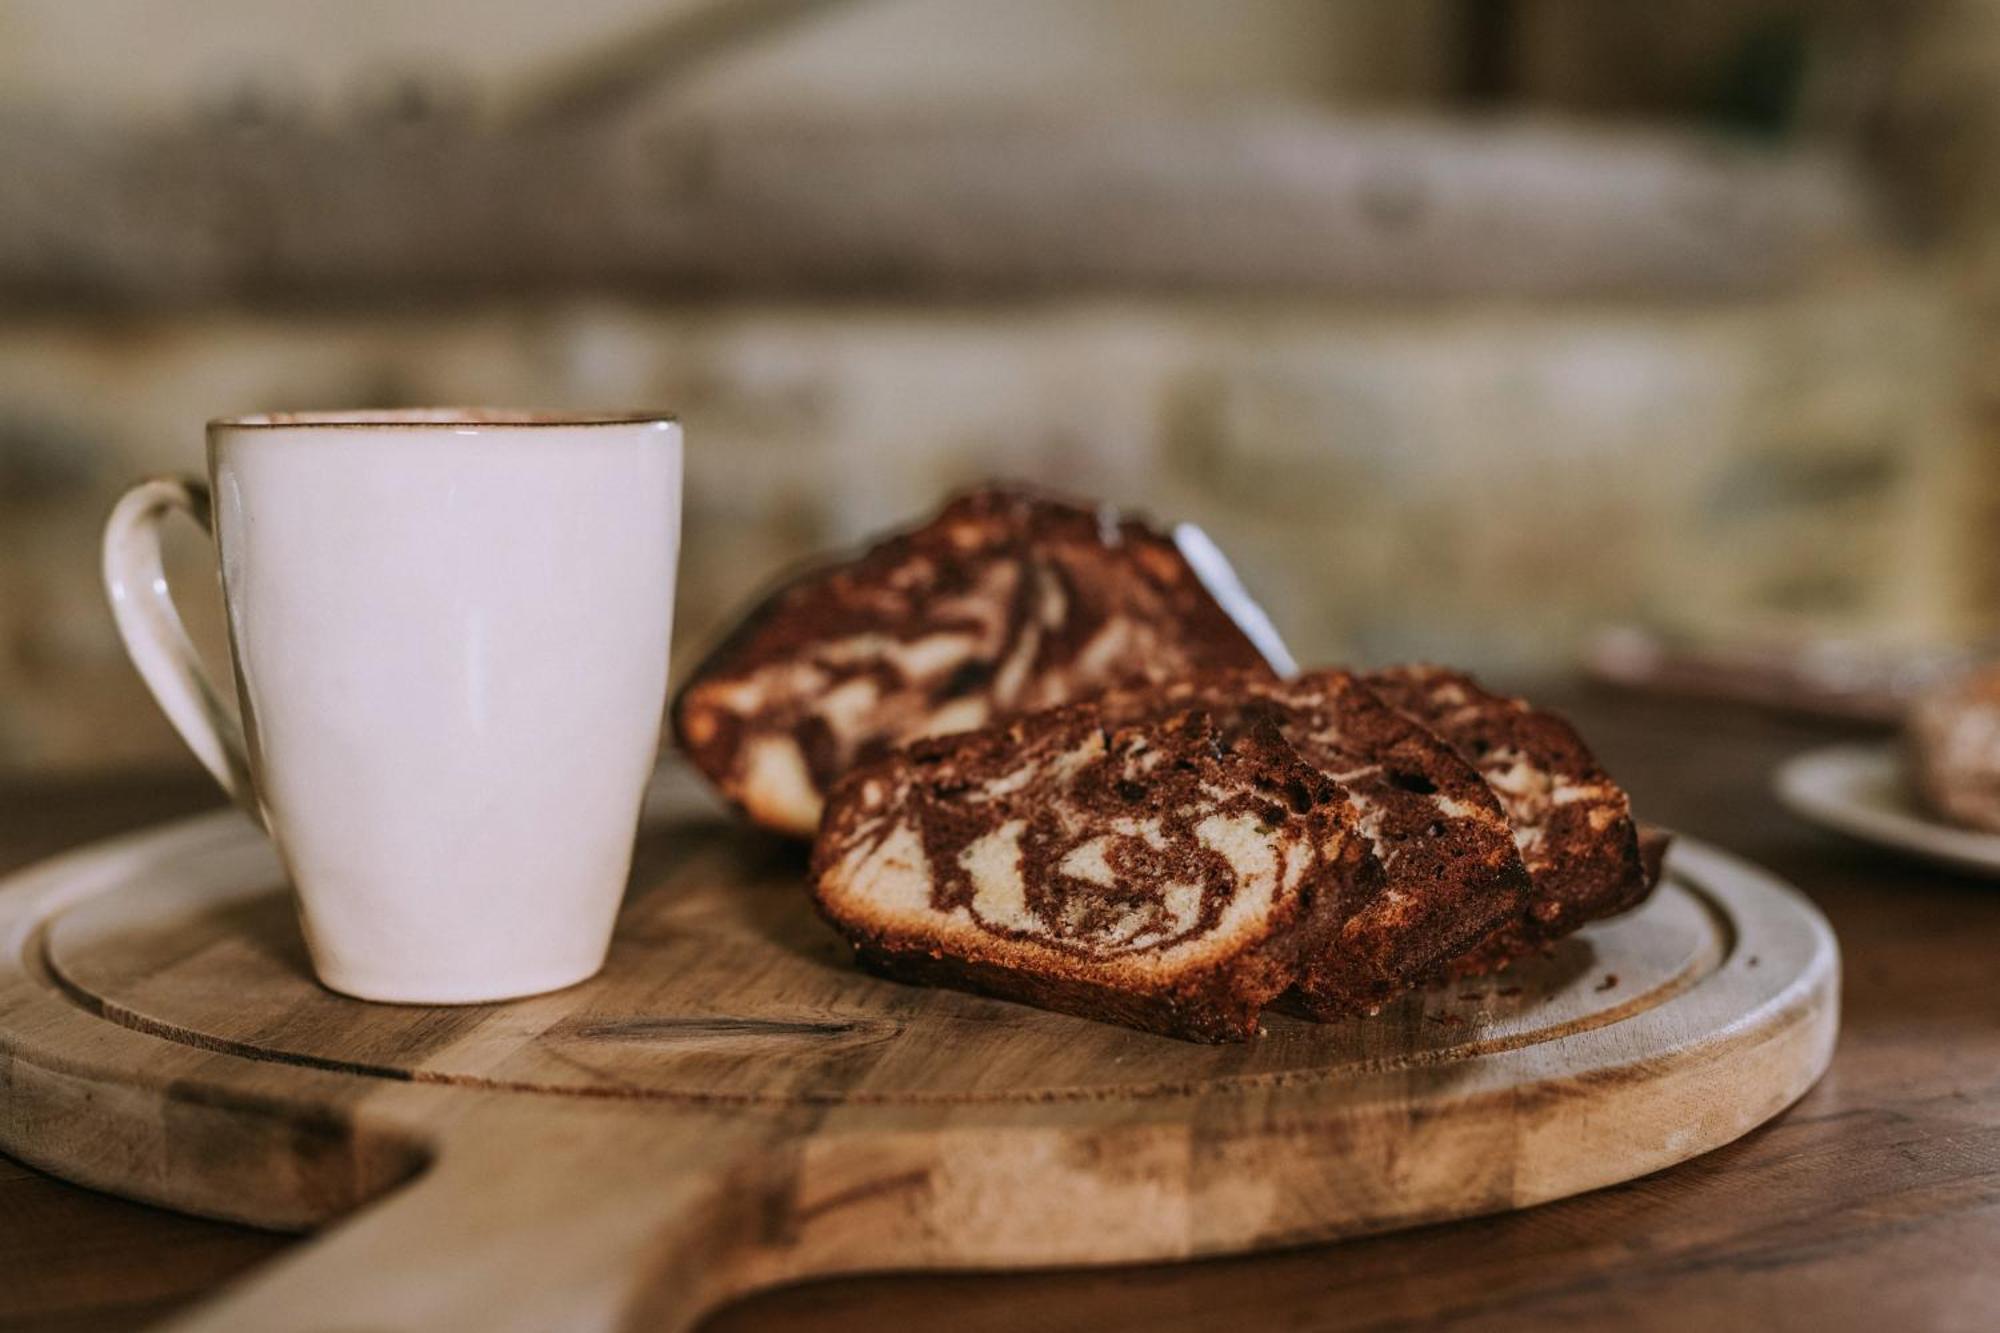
(1468,327)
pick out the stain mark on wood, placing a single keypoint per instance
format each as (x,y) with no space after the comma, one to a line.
(701,1030)
(905,1182)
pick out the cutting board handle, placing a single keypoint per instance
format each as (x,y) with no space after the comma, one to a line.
(559,1229)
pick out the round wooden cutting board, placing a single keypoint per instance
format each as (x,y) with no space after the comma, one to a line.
(731,1104)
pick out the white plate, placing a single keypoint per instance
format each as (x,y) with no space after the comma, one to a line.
(1860,790)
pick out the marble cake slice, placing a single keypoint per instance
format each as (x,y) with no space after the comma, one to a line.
(1169,874)
(1951,742)
(1572,823)
(1004,602)
(1451,874)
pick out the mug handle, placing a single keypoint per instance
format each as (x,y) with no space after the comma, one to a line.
(155,638)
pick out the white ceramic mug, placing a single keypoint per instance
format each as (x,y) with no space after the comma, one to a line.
(450,632)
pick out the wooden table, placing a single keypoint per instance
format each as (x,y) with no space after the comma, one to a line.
(1874,1204)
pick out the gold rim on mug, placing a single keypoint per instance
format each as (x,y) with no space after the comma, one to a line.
(463,418)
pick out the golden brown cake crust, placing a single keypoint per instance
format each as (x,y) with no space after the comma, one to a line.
(1006,601)
(1170,874)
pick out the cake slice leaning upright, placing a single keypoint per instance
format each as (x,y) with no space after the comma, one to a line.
(1006,601)
(1572,823)
(1170,874)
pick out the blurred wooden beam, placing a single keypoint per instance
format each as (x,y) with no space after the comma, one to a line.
(1296,203)
(611,79)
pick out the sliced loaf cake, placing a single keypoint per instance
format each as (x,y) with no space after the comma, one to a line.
(1451,874)
(1004,602)
(1572,823)
(1169,873)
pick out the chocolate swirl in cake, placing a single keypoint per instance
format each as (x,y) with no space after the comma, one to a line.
(1173,874)
(1450,872)
(1005,602)
(1572,823)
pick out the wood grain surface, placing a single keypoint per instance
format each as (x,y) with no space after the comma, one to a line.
(1278,200)
(725,987)
(730,1103)
(1862,1205)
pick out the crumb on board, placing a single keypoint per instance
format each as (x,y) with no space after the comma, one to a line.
(1610,981)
